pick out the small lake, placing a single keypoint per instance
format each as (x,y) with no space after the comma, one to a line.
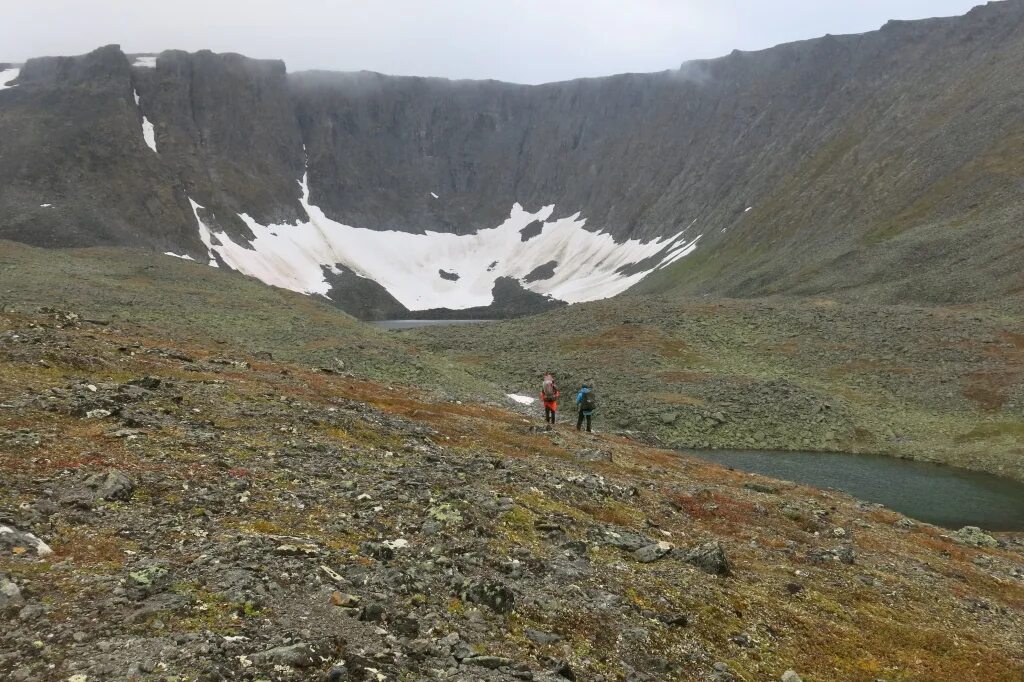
(938,494)
(398,325)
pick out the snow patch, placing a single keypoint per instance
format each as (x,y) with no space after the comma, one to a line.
(747,209)
(6,76)
(145,62)
(149,134)
(406,264)
(521,399)
(204,233)
(433,195)
(181,256)
(45,205)
(684,250)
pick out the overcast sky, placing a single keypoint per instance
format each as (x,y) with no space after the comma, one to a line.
(526,41)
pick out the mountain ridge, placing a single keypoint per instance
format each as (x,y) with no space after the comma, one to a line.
(787,162)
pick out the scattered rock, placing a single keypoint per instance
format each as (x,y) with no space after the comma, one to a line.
(820,557)
(372,613)
(709,557)
(491,662)
(626,540)
(491,593)
(791,676)
(10,595)
(594,455)
(299,655)
(348,601)
(972,535)
(20,541)
(110,485)
(543,638)
(652,552)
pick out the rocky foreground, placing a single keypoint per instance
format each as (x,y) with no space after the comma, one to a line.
(190,512)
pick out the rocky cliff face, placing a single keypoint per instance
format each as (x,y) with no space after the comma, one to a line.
(885,163)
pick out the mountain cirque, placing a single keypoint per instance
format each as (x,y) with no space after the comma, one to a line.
(884,166)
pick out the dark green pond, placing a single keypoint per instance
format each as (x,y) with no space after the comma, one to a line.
(399,325)
(938,494)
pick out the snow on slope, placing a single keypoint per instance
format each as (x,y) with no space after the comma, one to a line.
(6,76)
(148,132)
(409,265)
(145,62)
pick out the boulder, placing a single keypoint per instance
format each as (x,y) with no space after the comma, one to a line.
(10,595)
(626,540)
(491,593)
(594,455)
(972,535)
(299,655)
(652,552)
(110,485)
(17,540)
(709,557)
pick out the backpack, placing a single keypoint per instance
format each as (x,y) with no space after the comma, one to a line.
(589,401)
(549,389)
(550,392)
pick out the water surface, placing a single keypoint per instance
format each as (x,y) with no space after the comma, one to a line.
(935,493)
(398,325)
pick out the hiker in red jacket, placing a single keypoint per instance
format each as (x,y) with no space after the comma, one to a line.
(549,396)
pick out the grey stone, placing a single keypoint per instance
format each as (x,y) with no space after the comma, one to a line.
(300,655)
(110,485)
(652,552)
(709,557)
(12,538)
(491,662)
(540,637)
(491,593)
(10,594)
(972,535)
(594,455)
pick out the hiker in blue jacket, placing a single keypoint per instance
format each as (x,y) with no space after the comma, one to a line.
(586,401)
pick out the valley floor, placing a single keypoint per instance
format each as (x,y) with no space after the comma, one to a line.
(935,384)
(209,513)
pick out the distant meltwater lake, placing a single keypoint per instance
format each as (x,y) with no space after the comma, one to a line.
(935,493)
(399,325)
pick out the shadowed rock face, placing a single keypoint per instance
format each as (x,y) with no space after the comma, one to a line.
(867,162)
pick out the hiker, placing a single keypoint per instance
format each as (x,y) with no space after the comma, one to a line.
(549,394)
(587,402)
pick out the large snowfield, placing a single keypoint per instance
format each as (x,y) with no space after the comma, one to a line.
(587,264)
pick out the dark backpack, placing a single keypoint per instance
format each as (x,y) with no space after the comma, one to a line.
(550,391)
(589,401)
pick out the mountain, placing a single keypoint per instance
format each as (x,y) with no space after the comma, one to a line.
(882,166)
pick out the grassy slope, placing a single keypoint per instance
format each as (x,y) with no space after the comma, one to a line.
(191,301)
(943,384)
(913,606)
